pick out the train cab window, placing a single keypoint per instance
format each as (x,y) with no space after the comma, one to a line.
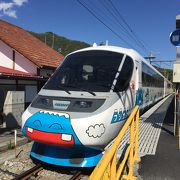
(125,75)
(87,73)
(93,70)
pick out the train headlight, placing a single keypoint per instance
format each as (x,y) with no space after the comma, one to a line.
(45,101)
(83,104)
(67,104)
(42,102)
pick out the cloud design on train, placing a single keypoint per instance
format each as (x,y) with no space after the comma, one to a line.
(96,130)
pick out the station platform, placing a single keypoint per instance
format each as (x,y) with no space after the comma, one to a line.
(164,161)
(158,147)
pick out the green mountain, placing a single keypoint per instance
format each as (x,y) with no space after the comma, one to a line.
(66,46)
(59,43)
(168,73)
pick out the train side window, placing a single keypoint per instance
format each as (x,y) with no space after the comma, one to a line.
(125,75)
(150,78)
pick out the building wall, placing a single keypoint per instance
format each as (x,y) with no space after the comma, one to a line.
(12,59)
(28,87)
(46,72)
(21,63)
(24,65)
(5,55)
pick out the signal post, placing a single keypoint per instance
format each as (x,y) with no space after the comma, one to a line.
(175,40)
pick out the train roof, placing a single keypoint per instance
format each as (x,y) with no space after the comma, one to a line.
(129,52)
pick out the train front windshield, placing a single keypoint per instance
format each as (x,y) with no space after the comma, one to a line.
(92,71)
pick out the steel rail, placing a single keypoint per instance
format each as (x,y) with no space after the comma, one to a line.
(76,176)
(27,174)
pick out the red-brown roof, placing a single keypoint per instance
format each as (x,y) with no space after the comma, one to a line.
(29,46)
(12,72)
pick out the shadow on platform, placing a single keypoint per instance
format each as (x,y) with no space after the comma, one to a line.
(166,161)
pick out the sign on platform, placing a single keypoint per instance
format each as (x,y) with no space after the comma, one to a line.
(175,37)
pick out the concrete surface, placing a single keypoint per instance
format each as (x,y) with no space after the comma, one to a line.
(165,164)
(7,139)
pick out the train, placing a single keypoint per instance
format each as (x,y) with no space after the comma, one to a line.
(84,104)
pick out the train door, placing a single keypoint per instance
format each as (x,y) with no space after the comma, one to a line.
(137,76)
(134,84)
(138,86)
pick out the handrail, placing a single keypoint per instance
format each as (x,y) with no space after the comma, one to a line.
(107,167)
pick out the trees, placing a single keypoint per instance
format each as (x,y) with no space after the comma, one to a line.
(59,43)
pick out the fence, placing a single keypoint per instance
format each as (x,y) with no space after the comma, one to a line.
(108,167)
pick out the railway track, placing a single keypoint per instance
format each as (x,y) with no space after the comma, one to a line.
(29,173)
(77,175)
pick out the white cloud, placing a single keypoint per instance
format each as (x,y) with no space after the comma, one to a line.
(11,13)
(5,6)
(19,2)
(96,131)
(9,8)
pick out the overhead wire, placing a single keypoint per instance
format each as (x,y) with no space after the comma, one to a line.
(117,20)
(115,16)
(123,25)
(128,26)
(102,14)
(113,20)
(105,24)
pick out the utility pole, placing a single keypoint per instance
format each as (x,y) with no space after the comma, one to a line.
(175,39)
(150,57)
(53,41)
(45,37)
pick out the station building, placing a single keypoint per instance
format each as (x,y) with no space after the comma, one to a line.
(25,65)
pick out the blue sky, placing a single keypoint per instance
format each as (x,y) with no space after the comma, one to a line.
(151,21)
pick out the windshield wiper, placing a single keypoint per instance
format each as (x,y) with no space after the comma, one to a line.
(80,88)
(90,92)
(64,89)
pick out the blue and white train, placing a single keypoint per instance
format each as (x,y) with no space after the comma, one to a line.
(83,106)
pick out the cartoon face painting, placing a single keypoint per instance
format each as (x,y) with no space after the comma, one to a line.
(51,128)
